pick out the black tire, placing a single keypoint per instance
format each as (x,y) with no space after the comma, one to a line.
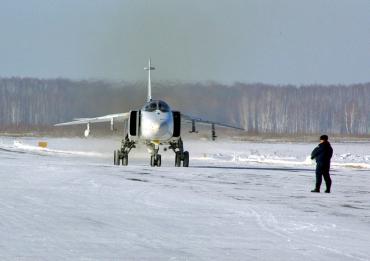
(116,157)
(159,160)
(152,161)
(178,159)
(186,159)
(125,160)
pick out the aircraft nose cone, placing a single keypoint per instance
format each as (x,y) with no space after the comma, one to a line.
(155,127)
(164,126)
(163,129)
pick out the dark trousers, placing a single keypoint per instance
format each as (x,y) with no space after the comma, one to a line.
(323,170)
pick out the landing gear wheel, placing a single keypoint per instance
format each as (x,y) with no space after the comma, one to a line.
(155,160)
(159,160)
(152,161)
(125,160)
(116,159)
(178,159)
(185,162)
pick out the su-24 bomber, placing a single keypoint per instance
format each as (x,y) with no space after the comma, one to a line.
(154,125)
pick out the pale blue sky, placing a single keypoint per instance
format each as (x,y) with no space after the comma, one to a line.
(270,41)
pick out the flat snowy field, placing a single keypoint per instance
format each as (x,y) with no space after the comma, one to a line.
(237,201)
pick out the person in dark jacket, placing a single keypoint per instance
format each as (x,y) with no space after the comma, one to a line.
(322,153)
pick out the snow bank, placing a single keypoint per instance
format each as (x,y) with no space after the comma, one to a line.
(348,155)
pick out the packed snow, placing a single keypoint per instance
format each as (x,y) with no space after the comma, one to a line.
(237,201)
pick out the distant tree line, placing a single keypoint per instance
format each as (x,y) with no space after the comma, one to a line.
(27,103)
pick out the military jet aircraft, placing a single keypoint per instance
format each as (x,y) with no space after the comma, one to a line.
(154,125)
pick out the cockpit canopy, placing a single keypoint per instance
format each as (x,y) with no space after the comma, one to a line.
(156,105)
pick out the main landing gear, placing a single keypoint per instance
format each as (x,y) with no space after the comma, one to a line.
(121,155)
(181,155)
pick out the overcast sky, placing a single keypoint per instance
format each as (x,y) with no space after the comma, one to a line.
(269,41)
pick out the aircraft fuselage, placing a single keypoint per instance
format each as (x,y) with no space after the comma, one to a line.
(156,122)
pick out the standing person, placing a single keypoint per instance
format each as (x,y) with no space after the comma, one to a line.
(322,153)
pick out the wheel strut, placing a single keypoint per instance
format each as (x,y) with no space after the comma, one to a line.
(121,155)
(180,154)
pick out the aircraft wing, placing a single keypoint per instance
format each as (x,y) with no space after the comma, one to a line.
(193,120)
(106,118)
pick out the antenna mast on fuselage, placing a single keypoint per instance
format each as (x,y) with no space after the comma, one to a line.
(149,68)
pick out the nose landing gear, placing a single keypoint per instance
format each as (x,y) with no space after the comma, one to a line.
(155,160)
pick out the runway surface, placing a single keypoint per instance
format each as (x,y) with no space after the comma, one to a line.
(237,201)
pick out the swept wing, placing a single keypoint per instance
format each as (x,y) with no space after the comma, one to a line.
(105,118)
(193,120)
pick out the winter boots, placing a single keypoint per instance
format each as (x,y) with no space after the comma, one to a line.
(318,190)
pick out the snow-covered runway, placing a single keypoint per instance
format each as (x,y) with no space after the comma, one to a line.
(237,201)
